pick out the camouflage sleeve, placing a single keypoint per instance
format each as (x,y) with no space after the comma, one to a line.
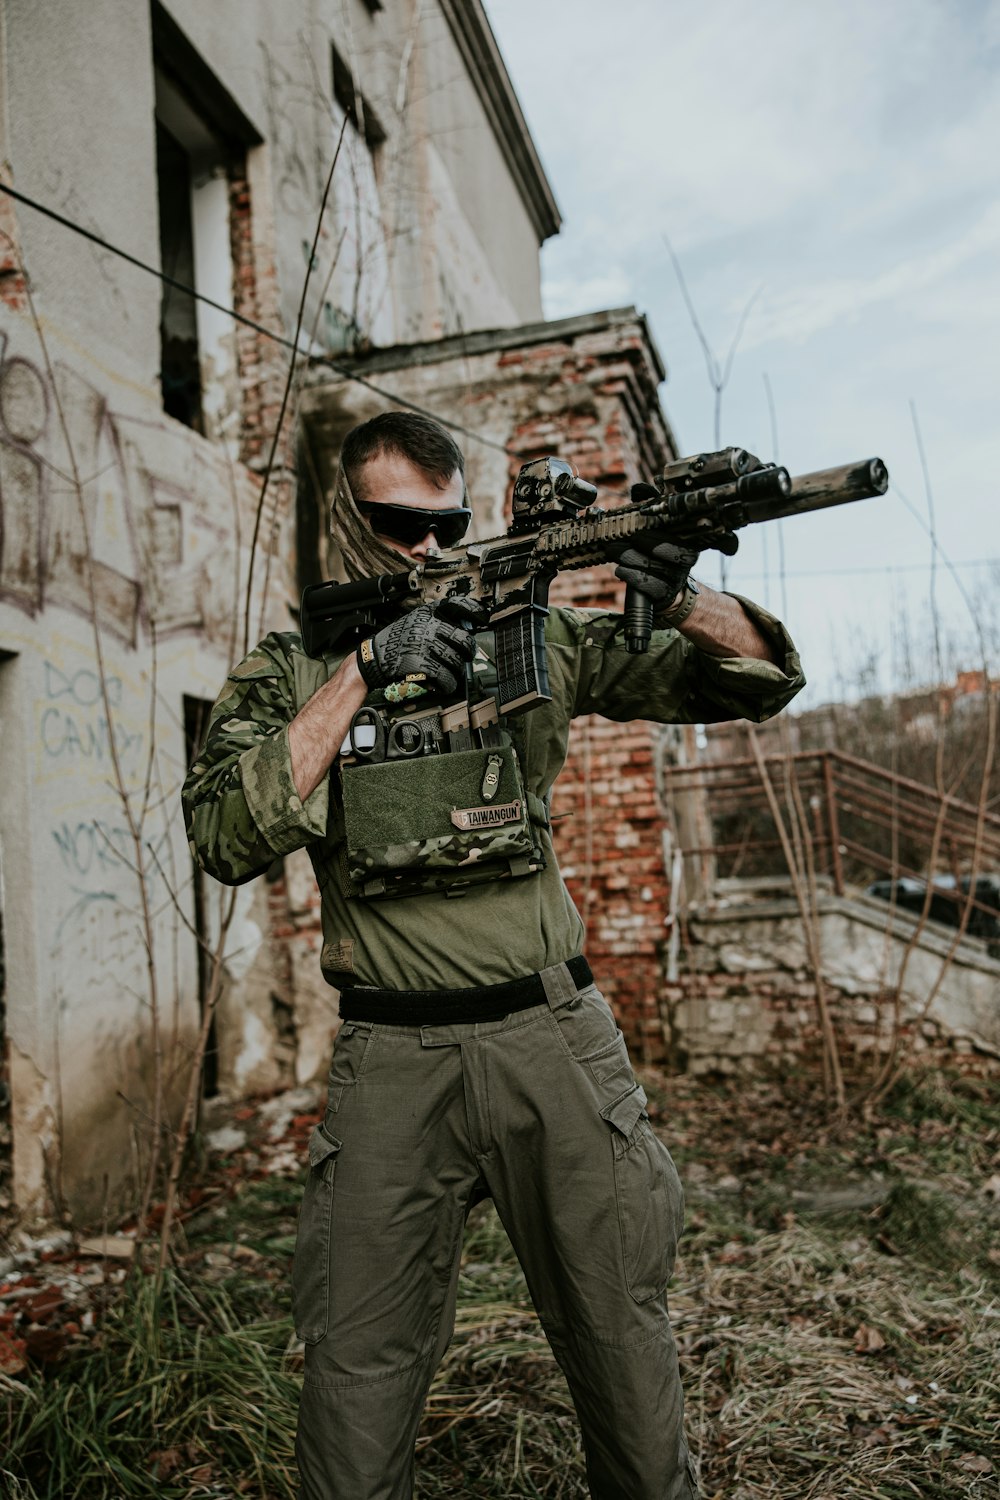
(240,804)
(674,682)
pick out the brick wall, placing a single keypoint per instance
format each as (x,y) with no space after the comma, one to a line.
(590,395)
(607,823)
(608,836)
(262,363)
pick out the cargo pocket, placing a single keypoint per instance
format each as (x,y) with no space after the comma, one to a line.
(351,1053)
(586,1027)
(311,1266)
(649,1196)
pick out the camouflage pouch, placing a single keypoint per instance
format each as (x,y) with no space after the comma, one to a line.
(437,823)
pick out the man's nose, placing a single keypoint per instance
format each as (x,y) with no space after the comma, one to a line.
(423,548)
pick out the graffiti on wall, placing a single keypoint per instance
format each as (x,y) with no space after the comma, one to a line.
(95,853)
(133,535)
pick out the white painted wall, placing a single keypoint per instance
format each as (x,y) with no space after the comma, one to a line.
(439,216)
(160,509)
(163,507)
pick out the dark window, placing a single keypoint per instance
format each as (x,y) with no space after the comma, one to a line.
(356,107)
(180,365)
(201,136)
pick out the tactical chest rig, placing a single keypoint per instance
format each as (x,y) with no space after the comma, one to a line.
(436,799)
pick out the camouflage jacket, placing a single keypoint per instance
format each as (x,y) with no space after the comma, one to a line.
(242,810)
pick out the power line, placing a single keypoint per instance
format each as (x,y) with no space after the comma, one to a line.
(970,562)
(230,312)
(378,390)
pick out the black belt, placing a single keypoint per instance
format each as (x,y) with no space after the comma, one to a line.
(488,1002)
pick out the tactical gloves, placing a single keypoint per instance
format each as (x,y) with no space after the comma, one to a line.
(659,572)
(419,647)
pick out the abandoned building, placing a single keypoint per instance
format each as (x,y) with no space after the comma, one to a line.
(136,424)
(140,549)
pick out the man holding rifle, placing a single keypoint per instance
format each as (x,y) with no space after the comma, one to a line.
(476,1058)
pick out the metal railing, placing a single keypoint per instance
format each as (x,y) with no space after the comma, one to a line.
(862,822)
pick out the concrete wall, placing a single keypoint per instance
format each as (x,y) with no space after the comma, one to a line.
(452,203)
(124,535)
(160,513)
(430,234)
(747,994)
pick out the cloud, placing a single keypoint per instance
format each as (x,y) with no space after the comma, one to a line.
(567,293)
(722,118)
(843,157)
(800,312)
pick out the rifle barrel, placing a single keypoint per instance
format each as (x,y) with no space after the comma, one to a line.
(827,487)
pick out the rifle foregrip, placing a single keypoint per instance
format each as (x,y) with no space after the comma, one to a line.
(638,615)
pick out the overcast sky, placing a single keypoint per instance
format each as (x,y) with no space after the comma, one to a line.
(840,160)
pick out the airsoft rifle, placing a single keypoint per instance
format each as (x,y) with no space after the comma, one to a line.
(697,503)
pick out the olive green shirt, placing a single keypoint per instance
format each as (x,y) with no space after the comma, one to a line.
(243,812)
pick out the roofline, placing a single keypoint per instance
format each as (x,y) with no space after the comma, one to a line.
(489,340)
(475,40)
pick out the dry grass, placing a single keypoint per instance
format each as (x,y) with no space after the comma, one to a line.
(836,1309)
(816,1365)
(835,1306)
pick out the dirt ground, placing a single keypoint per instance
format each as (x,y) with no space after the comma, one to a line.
(835,1305)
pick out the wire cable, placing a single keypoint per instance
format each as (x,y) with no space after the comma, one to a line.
(238,317)
(880,568)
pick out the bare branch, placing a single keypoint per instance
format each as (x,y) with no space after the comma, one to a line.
(711,363)
(287,391)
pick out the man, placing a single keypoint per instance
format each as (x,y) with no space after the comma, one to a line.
(476,1058)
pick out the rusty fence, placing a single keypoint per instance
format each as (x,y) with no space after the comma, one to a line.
(863,824)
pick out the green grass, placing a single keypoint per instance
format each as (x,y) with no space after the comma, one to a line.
(175,1392)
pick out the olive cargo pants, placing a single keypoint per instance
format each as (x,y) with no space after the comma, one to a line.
(542,1111)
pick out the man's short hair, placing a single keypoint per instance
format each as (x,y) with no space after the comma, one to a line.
(404,434)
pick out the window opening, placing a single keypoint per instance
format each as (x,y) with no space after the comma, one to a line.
(180,359)
(202,136)
(354,104)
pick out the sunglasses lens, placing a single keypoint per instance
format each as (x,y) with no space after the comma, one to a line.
(409,524)
(452,526)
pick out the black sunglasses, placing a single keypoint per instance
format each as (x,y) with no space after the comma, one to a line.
(411,523)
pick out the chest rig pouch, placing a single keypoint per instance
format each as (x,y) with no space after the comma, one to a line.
(436,801)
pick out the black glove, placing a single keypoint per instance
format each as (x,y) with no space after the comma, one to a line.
(659,572)
(417,645)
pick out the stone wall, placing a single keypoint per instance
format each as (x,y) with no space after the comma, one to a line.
(746,995)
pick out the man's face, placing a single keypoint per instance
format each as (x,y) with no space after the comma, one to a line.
(390,479)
